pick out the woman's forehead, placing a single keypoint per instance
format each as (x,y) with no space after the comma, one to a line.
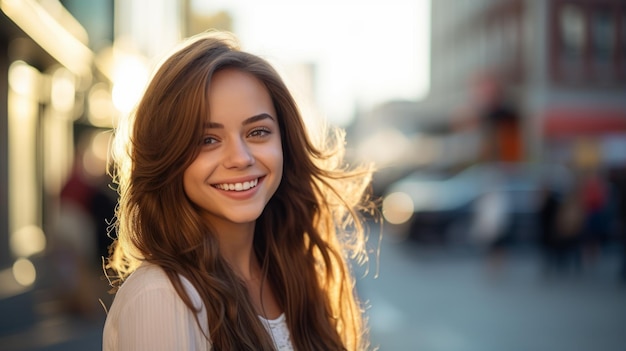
(239,95)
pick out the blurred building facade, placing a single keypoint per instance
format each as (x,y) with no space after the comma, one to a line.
(46,72)
(63,68)
(561,64)
(47,69)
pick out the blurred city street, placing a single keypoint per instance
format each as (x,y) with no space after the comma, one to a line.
(43,318)
(421,298)
(444,299)
(498,128)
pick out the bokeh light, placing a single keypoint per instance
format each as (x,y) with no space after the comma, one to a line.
(397,208)
(27,241)
(24,272)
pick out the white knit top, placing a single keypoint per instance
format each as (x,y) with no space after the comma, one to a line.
(148,314)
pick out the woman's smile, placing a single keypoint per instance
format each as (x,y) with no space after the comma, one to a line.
(238,186)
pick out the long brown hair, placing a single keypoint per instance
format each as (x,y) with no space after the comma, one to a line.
(302,238)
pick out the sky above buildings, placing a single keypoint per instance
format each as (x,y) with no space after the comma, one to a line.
(364,52)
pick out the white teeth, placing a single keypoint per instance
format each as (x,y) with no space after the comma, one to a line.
(238,186)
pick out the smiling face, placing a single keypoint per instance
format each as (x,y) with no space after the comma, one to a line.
(240,162)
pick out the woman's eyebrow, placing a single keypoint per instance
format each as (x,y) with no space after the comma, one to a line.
(257,118)
(247,121)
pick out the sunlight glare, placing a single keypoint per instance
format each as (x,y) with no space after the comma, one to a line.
(364,53)
(130,78)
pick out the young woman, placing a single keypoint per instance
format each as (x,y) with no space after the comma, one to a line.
(235,227)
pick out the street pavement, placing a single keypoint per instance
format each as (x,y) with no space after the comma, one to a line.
(419,298)
(37,319)
(461,299)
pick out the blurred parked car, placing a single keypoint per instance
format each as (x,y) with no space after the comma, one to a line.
(478,205)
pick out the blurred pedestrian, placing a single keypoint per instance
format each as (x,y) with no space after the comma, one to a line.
(596,205)
(231,222)
(548,238)
(490,227)
(499,118)
(619,181)
(561,217)
(79,239)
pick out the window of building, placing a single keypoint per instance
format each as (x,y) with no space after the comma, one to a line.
(571,33)
(603,32)
(622,42)
(588,42)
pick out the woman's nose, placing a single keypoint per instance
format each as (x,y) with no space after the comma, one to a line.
(238,154)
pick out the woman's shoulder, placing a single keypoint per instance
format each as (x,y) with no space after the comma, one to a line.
(148,311)
(149,278)
(149,273)
(145,278)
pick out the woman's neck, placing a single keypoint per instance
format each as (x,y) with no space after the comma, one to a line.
(236,246)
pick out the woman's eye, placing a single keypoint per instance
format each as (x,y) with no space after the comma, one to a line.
(260,132)
(209,140)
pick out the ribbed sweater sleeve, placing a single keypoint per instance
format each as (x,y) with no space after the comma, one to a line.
(147,314)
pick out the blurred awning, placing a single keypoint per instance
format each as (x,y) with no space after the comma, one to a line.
(582,121)
(51,35)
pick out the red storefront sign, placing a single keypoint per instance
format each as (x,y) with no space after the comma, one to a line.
(580,121)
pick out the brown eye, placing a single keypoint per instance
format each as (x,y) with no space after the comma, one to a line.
(259,132)
(209,140)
